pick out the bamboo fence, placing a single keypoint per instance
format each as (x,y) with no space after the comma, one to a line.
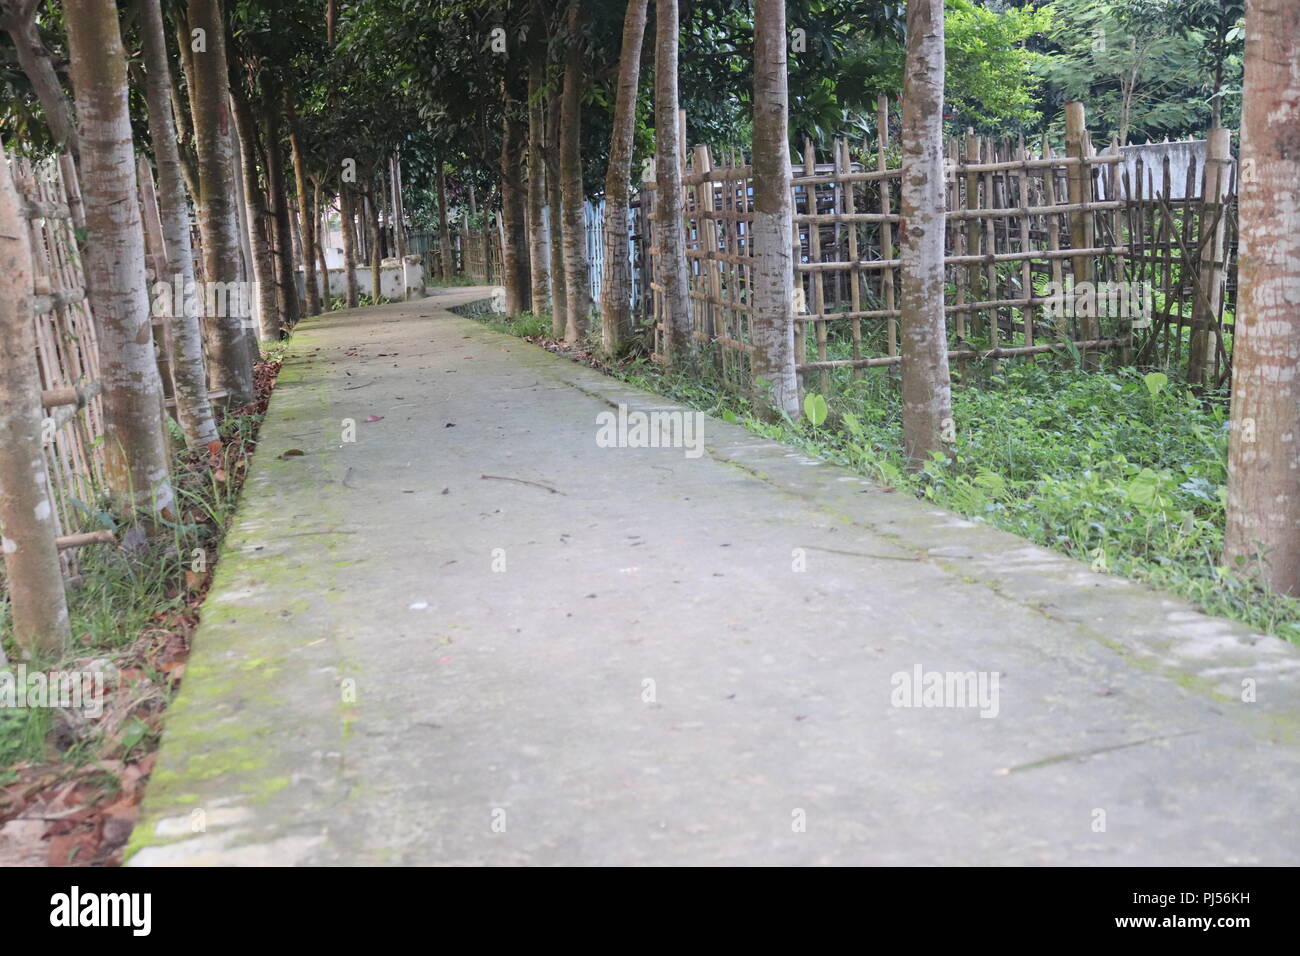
(1018,221)
(67,349)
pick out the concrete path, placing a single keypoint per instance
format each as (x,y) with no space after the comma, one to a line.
(474,636)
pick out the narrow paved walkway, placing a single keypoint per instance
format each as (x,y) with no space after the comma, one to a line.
(473,636)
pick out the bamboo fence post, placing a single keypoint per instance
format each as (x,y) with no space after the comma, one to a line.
(973,231)
(855,295)
(886,229)
(991,246)
(1209,275)
(818,304)
(1079,192)
(1026,271)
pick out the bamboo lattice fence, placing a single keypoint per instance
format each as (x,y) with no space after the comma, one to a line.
(67,350)
(1025,230)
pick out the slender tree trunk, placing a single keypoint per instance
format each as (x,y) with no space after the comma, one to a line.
(245,240)
(281,233)
(347,213)
(1263,527)
(772,331)
(232,364)
(538,251)
(306,228)
(669,195)
(399,209)
(577,271)
(259,219)
(181,111)
(18,17)
(514,247)
(447,256)
(38,607)
(926,386)
(554,206)
(306,224)
(376,245)
(616,286)
(135,449)
(322,236)
(189,372)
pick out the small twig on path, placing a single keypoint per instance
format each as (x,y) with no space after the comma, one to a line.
(303,534)
(524,481)
(863,554)
(348,388)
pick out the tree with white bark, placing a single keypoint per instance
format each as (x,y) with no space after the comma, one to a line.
(772,282)
(577,269)
(670,231)
(189,369)
(616,284)
(135,450)
(1263,521)
(926,386)
(229,329)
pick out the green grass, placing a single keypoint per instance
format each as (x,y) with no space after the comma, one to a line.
(527,326)
(1118,469)
(340,302)
(121,589)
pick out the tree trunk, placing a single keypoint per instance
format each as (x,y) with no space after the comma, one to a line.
(182,112)
(514,246)
(306,224)
(347,212)
(376,248)
(538,251)
(286,283)
(554,207)
(189,372)
(18,17)
(398,208)
(447,256)
(577,277)
(926,386)
(322,235)
(225,297)
(669,197)
(1263,521)
(38,607)
(259,218)
(135,449)
(772,330)
(616,287)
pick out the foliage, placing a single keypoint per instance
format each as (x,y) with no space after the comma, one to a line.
(1138,65)
(991,74)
